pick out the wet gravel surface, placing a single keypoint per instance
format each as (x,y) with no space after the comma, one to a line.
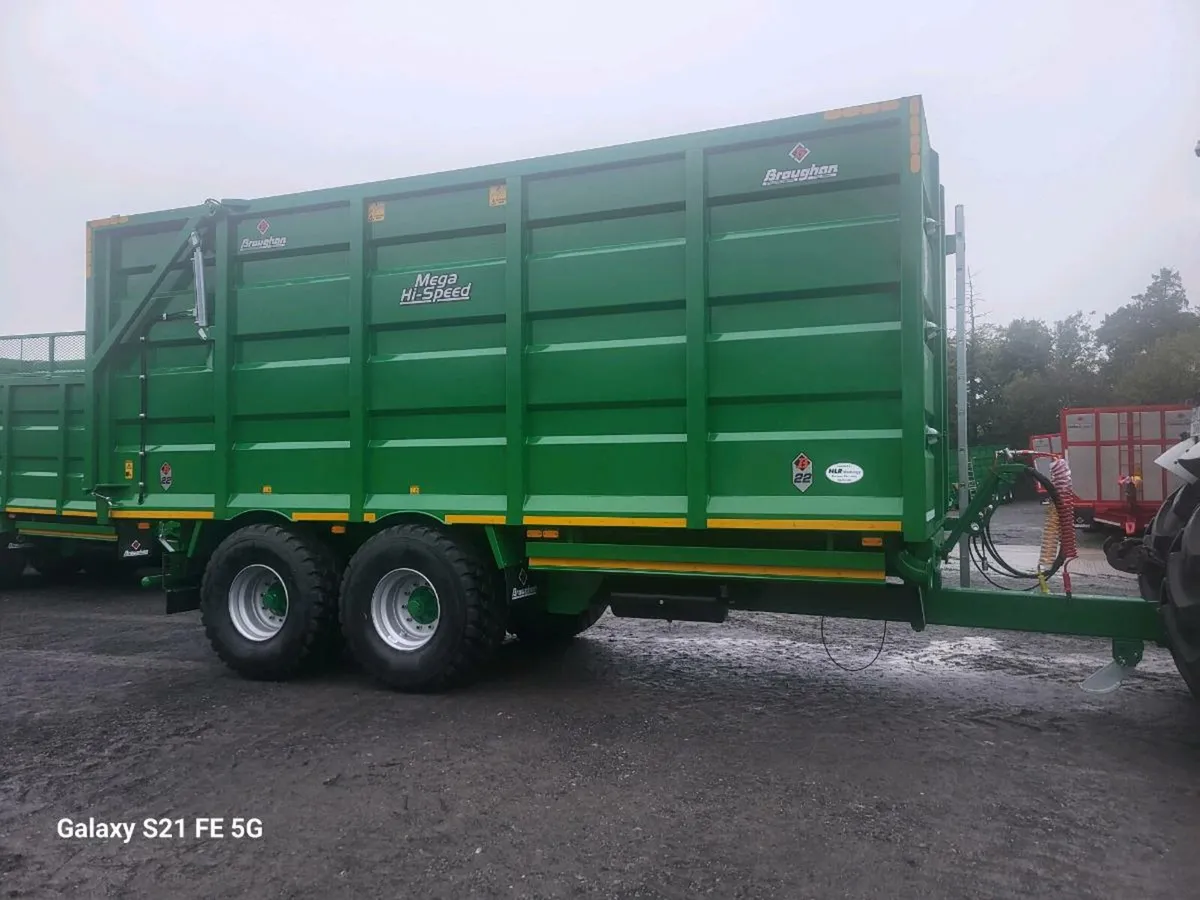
(650,760)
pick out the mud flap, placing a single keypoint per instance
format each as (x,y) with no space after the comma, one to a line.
(137,547)
(521,587)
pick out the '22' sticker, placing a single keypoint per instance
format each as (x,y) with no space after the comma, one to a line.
(802,473)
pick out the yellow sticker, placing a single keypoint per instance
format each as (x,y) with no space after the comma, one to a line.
(266,489)
(376,211)
(414,489)
(129,470)
(498,195)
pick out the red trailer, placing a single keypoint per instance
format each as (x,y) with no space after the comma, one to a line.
(1111,452)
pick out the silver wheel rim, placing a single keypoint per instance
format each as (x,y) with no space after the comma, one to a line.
(398,624)
(253,596)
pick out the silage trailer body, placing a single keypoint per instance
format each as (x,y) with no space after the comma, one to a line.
(668,378)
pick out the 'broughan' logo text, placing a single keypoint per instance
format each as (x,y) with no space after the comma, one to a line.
(267,243)
(795,176)
(263,241)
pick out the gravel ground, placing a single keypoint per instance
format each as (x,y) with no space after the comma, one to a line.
(650,760)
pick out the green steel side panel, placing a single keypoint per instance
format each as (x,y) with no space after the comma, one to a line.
(43,444)
(650,331)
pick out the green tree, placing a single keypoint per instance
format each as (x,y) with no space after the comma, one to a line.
(1026,345)
(1169,372)
(1130,331)
(1030,404)
(1022,374)
(1074,345)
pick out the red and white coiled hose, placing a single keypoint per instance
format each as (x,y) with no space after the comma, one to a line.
(1060,477)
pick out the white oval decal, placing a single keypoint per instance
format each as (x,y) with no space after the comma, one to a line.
(844,473)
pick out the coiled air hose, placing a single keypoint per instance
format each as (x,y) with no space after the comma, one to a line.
(1058,535)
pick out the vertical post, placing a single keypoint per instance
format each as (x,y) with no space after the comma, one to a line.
(919,505)
(221,334)
(696,325)
(358,309)
(6,450)
(64,443)
(514,339)
(960,352)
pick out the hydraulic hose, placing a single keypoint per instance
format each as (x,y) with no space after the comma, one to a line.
(1058,539)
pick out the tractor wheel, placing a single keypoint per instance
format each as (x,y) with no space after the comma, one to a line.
(1181,603)
(1183,639)
(268,601)
(419,610)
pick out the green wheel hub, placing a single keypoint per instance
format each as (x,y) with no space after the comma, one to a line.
(405,609)
(423,606)
(258,602)
(275,600)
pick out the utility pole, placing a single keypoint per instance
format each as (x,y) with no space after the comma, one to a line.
(960,348)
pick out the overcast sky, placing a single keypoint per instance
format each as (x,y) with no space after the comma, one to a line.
(1066,127)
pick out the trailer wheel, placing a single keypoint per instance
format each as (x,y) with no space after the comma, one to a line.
(539,628)
(12,564)
(419,611)
(268,601)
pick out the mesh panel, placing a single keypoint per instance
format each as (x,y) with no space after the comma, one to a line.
(41,353)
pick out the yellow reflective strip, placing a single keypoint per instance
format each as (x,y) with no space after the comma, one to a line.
(703,569)
(606,521)
(81,535)
(474,520)
(180,514)
(806,524)
(31,510)
(320,517)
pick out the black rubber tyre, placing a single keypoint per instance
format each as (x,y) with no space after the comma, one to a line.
(12,565)
(471,613)
(539,628)
(1180,614)
(54,567)
(309,634)
(1183,640)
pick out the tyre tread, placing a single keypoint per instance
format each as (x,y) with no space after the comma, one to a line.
(315,564)
(485,613)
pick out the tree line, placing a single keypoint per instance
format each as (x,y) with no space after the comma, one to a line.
(1023,373)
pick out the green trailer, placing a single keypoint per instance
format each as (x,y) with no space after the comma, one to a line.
(669,379)
(49,511)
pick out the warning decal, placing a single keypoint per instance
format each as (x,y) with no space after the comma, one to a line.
(802,473)
(166,477)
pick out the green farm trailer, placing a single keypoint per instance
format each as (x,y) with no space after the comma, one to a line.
(669,379)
